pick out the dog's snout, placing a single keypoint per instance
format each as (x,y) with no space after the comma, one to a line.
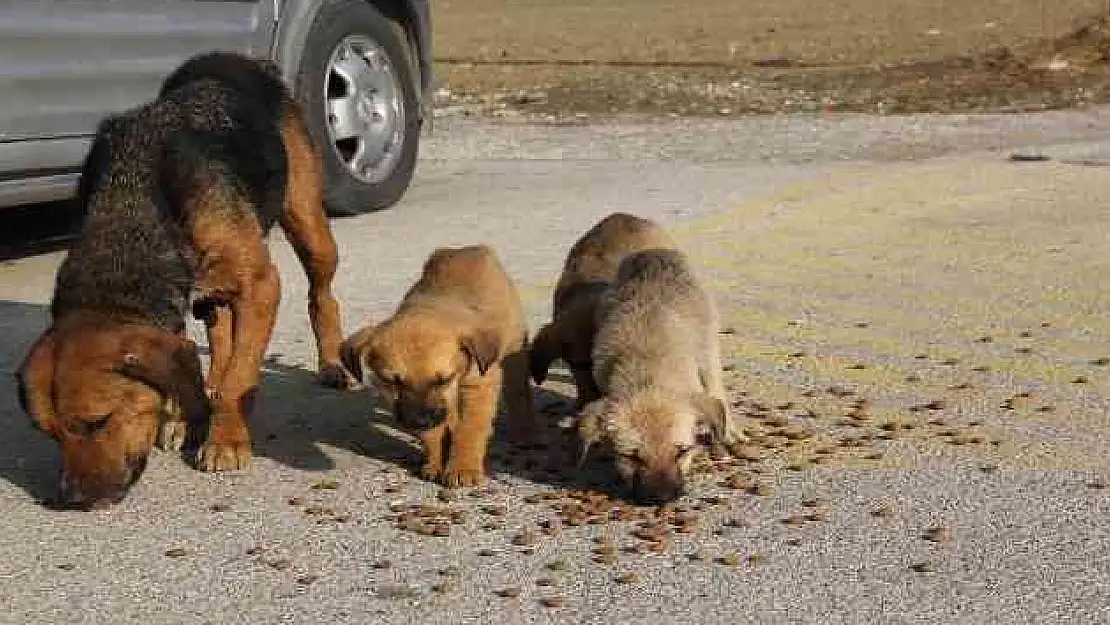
(657,488)
(420,417)
(90,493)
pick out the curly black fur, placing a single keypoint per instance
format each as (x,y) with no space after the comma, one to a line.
(216,121)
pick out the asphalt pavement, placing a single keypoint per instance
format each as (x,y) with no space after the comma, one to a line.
(915,331)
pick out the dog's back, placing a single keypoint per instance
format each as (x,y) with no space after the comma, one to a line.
(593,259)
(216,124)
(656,327)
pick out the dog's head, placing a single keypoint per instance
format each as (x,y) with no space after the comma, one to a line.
(653,439)
(417,364)
(98,388)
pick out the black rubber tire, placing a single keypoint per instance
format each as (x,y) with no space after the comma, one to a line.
(344,194)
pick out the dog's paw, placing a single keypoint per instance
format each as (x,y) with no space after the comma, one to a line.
(172,435)
(228,448)
(455,477)
(335,375)
(430,472)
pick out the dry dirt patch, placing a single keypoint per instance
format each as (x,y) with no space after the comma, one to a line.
(728,58)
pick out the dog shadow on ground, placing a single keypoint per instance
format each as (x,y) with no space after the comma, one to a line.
(295,417)
(28,459)
(294,421)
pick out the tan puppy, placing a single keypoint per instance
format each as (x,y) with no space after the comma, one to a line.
(455,344)
(657,363)
(590,266)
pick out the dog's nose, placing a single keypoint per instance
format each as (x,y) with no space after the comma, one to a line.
(654,490)
(421,417)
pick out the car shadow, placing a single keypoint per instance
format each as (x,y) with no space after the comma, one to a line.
(295,420)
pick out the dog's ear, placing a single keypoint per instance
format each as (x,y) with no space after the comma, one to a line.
(168,363)
(483,347)
(546,347)
(352,352)
(712,419)
(594,422)
(35,380)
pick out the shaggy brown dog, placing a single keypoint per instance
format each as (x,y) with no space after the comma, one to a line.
(590,266)
(456,344)
(179,195)
(657,363)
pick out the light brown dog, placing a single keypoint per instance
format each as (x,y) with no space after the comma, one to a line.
(454,346)
(657,364)
(590,266)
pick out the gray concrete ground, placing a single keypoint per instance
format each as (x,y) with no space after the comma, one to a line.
(901,261)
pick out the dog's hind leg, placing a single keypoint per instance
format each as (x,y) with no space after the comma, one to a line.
(306,226)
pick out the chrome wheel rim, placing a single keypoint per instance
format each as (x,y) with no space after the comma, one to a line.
(365,108)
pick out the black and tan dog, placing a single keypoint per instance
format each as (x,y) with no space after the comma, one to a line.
(590,266)
(179,195)
(456,345)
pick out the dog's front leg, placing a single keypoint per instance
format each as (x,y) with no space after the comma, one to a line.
(253,313)
(435,444)
(477,408)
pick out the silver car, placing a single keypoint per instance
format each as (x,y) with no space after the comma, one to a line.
(360,68)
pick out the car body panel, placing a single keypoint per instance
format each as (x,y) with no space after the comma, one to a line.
(66,64)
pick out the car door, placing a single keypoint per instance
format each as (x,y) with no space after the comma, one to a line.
(66,64)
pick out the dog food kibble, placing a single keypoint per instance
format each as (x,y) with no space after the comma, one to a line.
(630,578)
(606,558)
(729,559)
(176,552)
(605,549)
(525,539)
(280,564)
(938,534)
(882,511)
(509,592)
(552,602)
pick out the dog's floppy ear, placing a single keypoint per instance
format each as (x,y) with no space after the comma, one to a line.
(712,419)
(594,422)
(482,346)
(34,381)
(167,363)
(352,352)
(546,347)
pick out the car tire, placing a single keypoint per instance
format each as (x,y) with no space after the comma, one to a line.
(354,75)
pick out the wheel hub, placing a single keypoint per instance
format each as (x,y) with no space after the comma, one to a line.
(365,108)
